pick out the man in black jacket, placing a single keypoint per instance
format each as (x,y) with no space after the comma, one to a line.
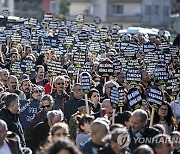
(140,133)
(71,106)
(10,114)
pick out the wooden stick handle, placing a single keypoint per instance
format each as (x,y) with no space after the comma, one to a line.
(152,117)
(87,106)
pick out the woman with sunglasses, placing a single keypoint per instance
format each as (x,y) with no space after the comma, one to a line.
(29,109)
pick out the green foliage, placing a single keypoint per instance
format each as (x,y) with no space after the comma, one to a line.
(63,7)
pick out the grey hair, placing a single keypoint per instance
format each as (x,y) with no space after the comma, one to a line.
(60,78)
(74,86)
(49,98)
(4,70)
(55,113)
(141,113)
(3,124)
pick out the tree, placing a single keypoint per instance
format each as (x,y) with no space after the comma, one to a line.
(63,7)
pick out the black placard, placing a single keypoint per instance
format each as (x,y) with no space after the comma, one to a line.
(15,69)
(94,48)
(134,98)
(5,13)
(154,97)
(133,64)
(85,79)
(122,96)
(33,21)
(83,36)
(2,38)
(167,57)
(164,45)
(106,68)
(62,49)
(115,37)
(117,64)
(79,59)
(79,18)
(133,76)
(149,57)
(28,67)
(54,67)
(26,32)
(114,96)
(161,74)
(96,36)
(53,24)
(97,20)
(16,38)
(72,71)
(148,48)
(48,17)
(87,67)
(173,86)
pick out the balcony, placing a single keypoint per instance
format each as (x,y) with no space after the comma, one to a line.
(70,1)
(126,1)
(123,18)
(111,19)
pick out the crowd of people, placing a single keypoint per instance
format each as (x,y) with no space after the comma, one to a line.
(49,113)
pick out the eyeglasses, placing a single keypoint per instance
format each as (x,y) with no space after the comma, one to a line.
(61,134)
(60,83)
(38,91)
(46,106)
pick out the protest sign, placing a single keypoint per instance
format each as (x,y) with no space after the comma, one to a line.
(54,67)
(117,64)
(154,97)
(133,76)
(106,68)
(161,74)
(148,47)
(87,67)
(79,59)
(28,67)
(15,69)
(28,111)
(134,98)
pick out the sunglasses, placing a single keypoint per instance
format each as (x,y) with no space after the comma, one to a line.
(45,106)
(60,83)
(61,134)
(38,91)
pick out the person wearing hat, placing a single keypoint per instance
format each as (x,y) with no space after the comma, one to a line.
(73,123)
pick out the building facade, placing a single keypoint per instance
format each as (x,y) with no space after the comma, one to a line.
(124,12)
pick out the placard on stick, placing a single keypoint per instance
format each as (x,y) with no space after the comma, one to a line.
(122,96)
(85,79)
(15,69)
(154,97)
(28,67)
(161,74)
(87,67)
(106,68)
(173,86)
(134,98)
(117,64)
(79,59)
(133,76)
(54,67)
(114,96)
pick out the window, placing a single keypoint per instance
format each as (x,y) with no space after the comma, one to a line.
(54,7)
(166,10)
(118,9)
(156,10)
(148,10)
